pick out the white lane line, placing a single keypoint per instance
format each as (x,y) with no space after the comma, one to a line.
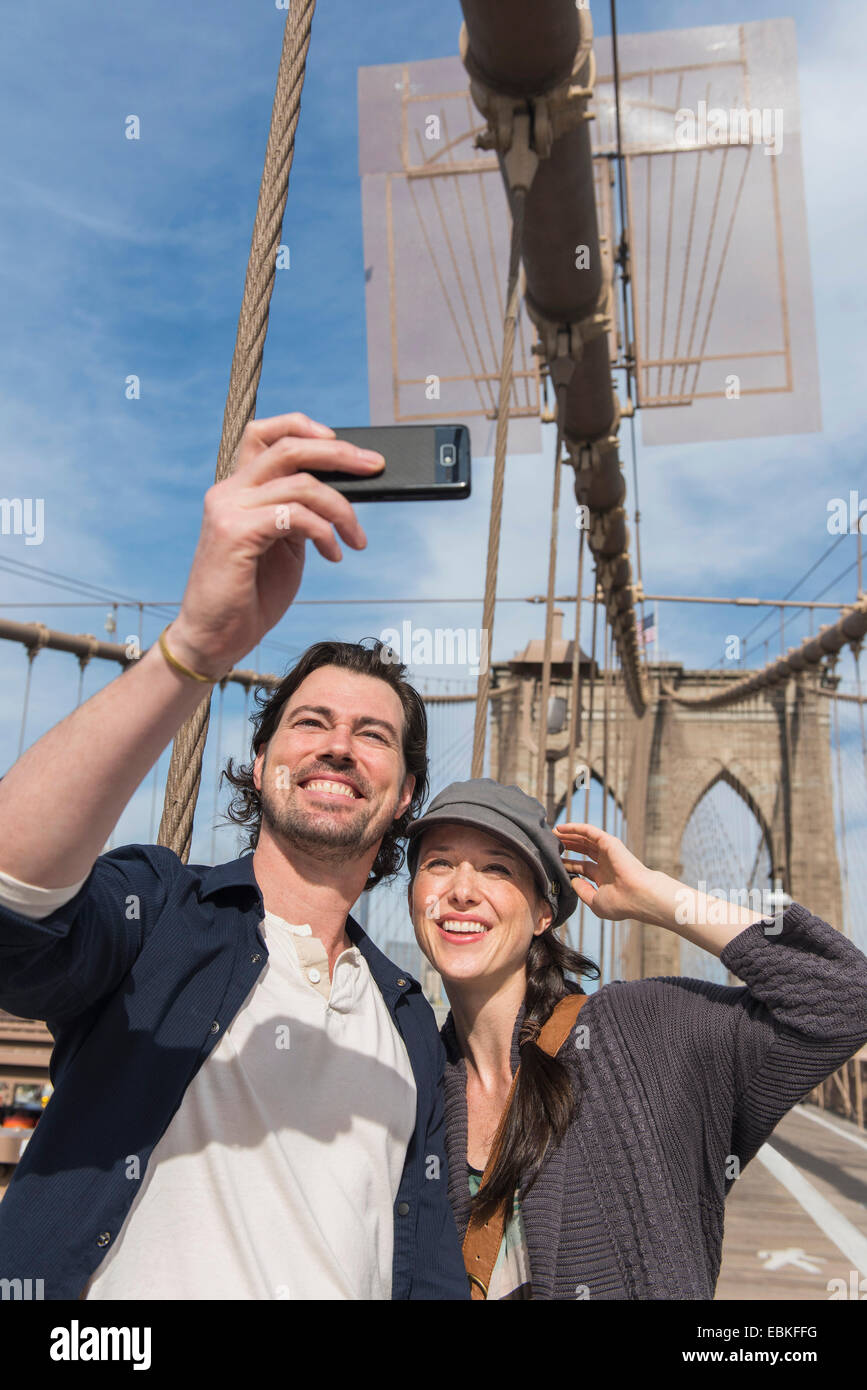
(808,1112)
(847,1238)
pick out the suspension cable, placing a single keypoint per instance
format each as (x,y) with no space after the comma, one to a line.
(496,516)
(617,927)
(185,768)
(575,720)
(542,744)
(847,908)
(217,752)
(590,732)
(605,685)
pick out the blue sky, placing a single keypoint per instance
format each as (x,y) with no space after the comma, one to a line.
(127,257)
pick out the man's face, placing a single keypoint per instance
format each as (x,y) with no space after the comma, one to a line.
(332,777)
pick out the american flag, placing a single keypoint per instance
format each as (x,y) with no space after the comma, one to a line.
(647,630)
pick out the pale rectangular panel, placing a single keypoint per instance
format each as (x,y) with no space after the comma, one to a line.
(436,253)
(722,293)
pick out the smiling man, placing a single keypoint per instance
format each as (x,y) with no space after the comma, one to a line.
(247,1096)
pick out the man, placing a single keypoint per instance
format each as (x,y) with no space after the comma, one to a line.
(247,1093)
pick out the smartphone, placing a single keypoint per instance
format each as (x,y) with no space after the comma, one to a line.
(422,463)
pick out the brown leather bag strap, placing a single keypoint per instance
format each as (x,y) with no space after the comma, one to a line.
(561,1023)
(482,1240)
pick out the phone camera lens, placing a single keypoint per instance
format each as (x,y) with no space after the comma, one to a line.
(448,456)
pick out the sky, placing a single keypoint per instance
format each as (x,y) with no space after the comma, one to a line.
(128,257)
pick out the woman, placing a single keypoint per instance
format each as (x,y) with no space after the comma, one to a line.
(617,1154)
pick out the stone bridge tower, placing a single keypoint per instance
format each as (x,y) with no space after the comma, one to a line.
(773,749)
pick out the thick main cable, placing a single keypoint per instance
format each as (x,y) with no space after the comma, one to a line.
(185,768)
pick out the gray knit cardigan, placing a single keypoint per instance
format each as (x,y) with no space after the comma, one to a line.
(676,1077)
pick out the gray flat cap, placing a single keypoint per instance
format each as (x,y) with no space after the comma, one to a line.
(511,815)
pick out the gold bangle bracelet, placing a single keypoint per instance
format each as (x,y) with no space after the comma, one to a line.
(184,670)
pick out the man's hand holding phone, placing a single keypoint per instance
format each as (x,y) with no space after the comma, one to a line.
(249,560)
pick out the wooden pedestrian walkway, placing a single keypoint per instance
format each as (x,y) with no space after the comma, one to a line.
(779,1245)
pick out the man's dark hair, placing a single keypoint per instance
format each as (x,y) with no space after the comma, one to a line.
(376,660)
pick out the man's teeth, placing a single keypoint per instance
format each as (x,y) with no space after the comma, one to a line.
(322,785)
(464,926)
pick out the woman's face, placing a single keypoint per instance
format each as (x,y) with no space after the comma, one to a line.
(467,879)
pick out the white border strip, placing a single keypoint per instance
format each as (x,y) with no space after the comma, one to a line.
(847,1238)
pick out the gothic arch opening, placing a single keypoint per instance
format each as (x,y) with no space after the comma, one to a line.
(737,786)
(725,851)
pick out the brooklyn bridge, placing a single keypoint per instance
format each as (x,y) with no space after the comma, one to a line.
(591,249)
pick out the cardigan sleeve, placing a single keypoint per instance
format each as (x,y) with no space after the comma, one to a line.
(803,1014)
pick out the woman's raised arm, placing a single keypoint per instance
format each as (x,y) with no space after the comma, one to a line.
(616,885)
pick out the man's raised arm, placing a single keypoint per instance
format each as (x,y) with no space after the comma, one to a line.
(63,797)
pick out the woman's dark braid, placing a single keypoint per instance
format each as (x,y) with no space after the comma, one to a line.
(546,985)
(544,1100)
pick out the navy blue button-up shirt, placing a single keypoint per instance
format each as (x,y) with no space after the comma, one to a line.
(138,977)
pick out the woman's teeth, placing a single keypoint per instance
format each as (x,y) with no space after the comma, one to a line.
(463,926)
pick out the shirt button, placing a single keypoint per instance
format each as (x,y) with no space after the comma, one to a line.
(103,1238)
(401,981)
(403,1208)
(314,975)
(215,1027)
(255,959)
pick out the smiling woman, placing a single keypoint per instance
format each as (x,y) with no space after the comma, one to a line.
(608,1163)
(487,916)
(488,873)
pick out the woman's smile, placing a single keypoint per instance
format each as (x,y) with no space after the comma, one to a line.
(462,929)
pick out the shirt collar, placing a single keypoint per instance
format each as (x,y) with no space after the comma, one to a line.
(240,872)
(386,974)
(228,875)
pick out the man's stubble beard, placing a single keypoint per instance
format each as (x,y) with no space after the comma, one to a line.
(326,837)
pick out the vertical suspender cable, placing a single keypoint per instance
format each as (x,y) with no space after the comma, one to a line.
(217,752)
(637,536)
(856,652)
(549,605)
(246,715)
(847,908)
(576,682)
(617,927)
(82,662)
(31,652)
(604,774)
(628,318)
(590,731)
(152,823)
(494,524)
(789,775)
